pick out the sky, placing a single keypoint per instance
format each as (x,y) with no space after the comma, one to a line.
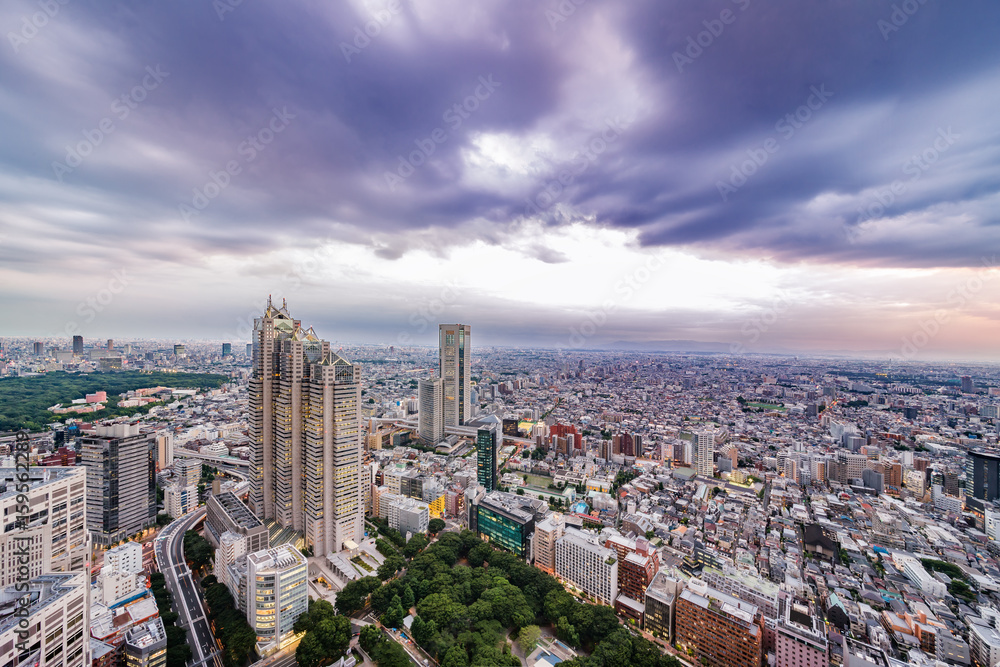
(751,176)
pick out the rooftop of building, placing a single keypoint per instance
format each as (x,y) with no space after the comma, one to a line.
(276,558)
(517,507)
(38,476)
(238,511)
(43,591)
(709,598)
(146,634)
(747,579)
(588,541)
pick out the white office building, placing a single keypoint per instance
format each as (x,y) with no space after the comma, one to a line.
(60,544)
(179,500)
(704,445)
(591,567)
(430,421)
(984,644)
(277,592)
(408,515)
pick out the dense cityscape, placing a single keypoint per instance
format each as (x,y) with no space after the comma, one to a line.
(287,502)
(561,333)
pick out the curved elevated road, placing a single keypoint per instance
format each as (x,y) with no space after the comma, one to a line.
(187,597)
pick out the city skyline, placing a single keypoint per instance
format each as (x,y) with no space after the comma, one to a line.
(569,175)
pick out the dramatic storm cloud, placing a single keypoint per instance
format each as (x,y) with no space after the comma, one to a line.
(762,175)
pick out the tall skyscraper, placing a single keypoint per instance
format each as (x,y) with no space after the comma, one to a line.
(305,434)
(39,349)
(430,424)
(121,481)
(705,453)
(486,447)
(111,343)
(967,385)
(227,349)
(455,344)
(77,344)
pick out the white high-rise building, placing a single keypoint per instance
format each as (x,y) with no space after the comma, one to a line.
(179,500)
(455,351)
(277,592)
(583,561)
(305,434)
(164,450)
(58,544)
(188,470)
(704,446)
(430,425)
(125,558)
(47,561)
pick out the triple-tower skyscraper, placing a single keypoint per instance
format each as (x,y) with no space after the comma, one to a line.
(305,434)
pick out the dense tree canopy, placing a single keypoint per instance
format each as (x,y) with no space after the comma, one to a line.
(327,635)
(231,627)
(197,550)
(463,610)
(24,402)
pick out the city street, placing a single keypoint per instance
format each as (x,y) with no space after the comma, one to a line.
(180,582)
